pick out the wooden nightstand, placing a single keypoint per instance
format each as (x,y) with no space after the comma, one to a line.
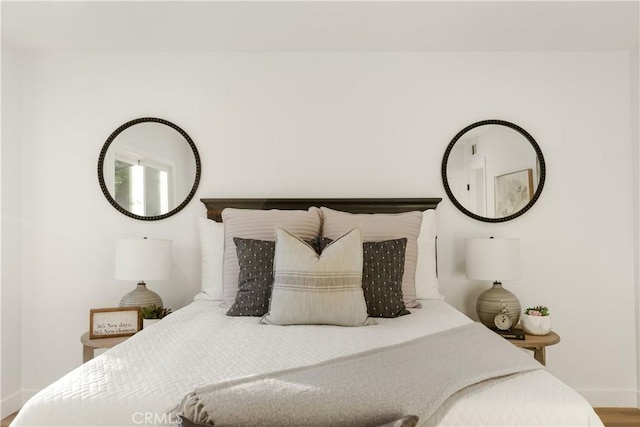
(89,345)
(537,343)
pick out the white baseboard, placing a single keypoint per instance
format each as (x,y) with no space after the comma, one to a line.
(612,398)
(14,402)
(11,404)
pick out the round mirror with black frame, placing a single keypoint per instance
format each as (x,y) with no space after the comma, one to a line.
(493,171)
(149,169)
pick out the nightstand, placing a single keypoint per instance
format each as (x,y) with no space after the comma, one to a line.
(89,345)
(537,343)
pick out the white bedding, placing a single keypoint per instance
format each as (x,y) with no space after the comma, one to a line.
(139,381)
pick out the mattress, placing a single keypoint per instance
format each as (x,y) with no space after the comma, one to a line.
(139,381)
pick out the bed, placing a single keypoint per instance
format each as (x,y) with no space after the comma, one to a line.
(146,379)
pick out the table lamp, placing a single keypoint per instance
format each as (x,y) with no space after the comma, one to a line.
(495,260)
(142,259)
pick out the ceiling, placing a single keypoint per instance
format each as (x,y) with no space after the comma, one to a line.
(320,26)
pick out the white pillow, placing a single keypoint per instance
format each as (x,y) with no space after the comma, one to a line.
(427,285)
(212,256)
(312,289)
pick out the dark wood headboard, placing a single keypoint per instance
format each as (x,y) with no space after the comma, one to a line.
(215,206)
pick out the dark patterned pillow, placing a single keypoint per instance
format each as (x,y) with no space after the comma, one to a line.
(382,272)
(319,243)
(255,279)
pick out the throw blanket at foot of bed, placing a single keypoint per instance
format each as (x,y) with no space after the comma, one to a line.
(364,389)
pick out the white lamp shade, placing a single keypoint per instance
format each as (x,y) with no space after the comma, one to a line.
(143,259)
(493,259)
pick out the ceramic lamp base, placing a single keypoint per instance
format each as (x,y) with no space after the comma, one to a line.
(141,297)
(490,302)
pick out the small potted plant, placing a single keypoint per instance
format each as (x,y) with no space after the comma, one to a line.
(152,314)
(536,320)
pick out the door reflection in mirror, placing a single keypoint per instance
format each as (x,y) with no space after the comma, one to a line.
(493,170)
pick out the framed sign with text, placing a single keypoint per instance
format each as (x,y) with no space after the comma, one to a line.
(114,322)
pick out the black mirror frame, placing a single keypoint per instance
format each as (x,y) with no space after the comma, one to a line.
(536,147)
(103,153)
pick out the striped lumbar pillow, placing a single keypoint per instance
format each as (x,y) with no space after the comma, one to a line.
(312,289)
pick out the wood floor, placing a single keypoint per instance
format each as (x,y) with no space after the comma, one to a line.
(5,422)
(619,417)
(611,417)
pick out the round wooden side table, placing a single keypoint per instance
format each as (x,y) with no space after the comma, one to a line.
(538,344)
(89,345)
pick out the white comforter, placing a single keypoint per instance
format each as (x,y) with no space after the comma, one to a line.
(139,381)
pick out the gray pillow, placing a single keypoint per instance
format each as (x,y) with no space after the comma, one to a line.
(383,268)
(382,273)
(255,259)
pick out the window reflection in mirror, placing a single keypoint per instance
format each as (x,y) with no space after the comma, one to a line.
(141,188)
(149,168)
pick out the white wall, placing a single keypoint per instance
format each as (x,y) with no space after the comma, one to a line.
(11,234)
(338,125)
(635,133)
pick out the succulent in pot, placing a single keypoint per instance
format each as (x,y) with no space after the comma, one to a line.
(536,320)
(152,314)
